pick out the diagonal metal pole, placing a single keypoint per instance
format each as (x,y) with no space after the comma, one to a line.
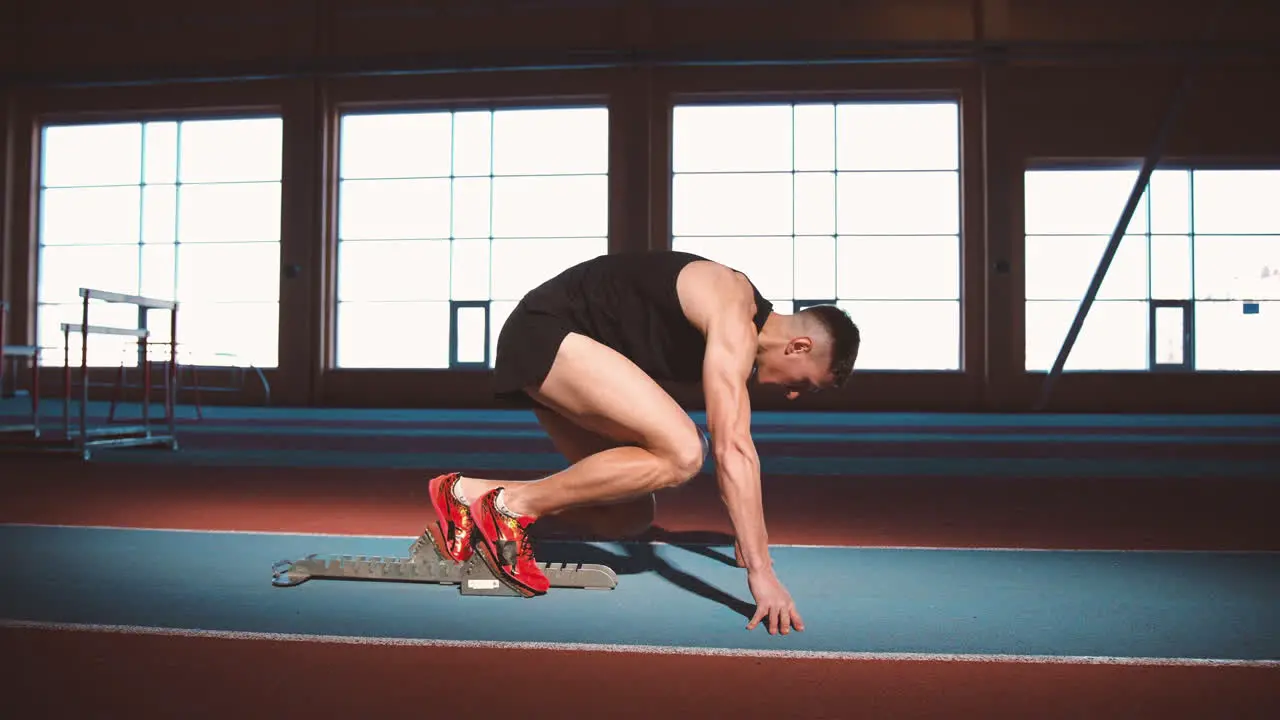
(1154,154)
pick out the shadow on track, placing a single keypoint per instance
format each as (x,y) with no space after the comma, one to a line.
(640,555)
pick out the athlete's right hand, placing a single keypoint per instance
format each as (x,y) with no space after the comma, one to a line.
(773,602)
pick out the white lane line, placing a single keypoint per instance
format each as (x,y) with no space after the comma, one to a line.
(643,649)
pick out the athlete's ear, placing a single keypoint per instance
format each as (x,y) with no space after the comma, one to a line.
(800,345)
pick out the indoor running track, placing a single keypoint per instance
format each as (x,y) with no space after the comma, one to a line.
(1178,607)
(1140,581)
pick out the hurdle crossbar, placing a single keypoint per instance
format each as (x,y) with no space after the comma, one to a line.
(138,300)
(104,330)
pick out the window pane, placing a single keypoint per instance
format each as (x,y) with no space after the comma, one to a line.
(1227,338)
(396,145)
(815,137)
(161,147)
(767,261)
(898,268)
(815,204)
(1169,335)
(1170,195)
(248,212)
(64,270)
(1237,268)
(160,273)
(393,335)
(381,270)
(572,206)
(89,216)
(1170,267)
(815,271)
(471,208)
(471,345)
(731,204)
(1061,268)
(932,342)
(913,203)
(232,334)
(470,260)
(499,311)
(731,138)
(107,154)
(1237,201)
(472,145)
(158,324)
(550,141)
(1113,337)
(898,136)
(521,264)
(1080,202)
(238,150)
(159,213)
(393,209)
(229,272)
(104,350)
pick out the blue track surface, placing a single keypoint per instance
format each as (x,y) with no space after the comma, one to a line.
(848,445)
(1075,603)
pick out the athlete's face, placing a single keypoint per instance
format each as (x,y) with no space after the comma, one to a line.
(801,366)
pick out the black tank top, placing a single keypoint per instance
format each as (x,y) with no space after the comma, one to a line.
(629,302)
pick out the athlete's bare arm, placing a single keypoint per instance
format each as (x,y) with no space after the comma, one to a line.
(721,303)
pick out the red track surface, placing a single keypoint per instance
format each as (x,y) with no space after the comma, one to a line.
(61,674)
(129,676)
(1211,514)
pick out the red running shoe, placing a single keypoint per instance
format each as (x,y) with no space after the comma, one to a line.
(452,518)
(503,544)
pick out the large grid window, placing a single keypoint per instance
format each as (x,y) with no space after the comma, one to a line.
(185,209)
(857,203)
(447,218)
(1203,240)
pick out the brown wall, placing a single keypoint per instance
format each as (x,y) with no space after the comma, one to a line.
(1059,78)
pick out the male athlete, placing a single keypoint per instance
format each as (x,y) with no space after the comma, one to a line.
(586,348)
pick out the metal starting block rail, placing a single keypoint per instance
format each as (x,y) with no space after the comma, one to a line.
(425,564)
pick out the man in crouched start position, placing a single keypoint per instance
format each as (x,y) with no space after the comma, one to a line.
(585,350)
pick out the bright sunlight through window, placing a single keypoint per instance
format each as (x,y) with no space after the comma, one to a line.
(187,210)
(856,203)
(1206,240)
(446,219)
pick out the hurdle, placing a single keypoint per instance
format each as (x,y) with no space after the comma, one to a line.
(425,564)
(84,439)
(15,353)
(236,384)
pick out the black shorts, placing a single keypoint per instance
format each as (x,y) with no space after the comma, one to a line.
(527,347)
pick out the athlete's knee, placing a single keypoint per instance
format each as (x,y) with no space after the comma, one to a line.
(686,456)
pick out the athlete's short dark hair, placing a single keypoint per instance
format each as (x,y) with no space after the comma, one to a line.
(845,338)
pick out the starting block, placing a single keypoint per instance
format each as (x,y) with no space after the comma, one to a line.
(425,564)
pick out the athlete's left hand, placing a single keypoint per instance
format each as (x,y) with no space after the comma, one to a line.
(774,602)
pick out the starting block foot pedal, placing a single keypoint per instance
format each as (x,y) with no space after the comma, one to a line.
(425,564)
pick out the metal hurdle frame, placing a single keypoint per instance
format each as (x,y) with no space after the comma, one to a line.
(8,352)
(84,439)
